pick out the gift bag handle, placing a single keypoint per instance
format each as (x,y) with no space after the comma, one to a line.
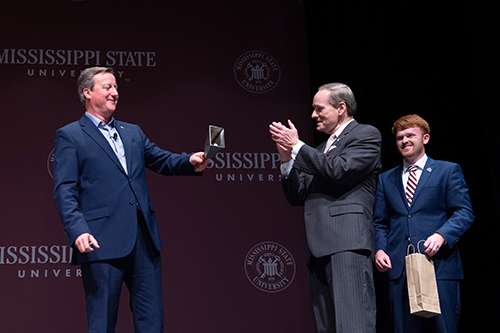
(418,247)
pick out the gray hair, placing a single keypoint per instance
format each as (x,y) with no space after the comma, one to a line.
(340,92)
(86,79)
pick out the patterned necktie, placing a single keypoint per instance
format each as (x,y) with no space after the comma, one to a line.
(329,143)
(412,183)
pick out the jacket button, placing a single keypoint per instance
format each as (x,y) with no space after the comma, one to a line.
(132,202)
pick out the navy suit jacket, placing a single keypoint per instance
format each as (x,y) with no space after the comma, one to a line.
(95,195)
(337,190)
(440,204)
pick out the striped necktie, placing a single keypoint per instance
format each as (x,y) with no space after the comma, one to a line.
(412,183)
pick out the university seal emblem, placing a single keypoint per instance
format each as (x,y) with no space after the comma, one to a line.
(270,267)
(257,72)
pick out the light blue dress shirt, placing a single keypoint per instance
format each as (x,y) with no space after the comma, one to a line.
(111,134)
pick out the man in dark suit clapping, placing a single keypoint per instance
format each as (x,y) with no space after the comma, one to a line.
(335,183)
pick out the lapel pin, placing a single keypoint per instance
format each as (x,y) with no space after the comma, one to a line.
(429,169)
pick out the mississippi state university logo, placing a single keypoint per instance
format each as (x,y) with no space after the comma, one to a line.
(257,72)
(270,267)
(50,163)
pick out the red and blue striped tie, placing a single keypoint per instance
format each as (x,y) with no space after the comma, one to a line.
(412,183)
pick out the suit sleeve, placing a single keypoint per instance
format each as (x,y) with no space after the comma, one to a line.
(458,206)
(381,221)
(165,162)
(357,159)
(66,189)
(296,187)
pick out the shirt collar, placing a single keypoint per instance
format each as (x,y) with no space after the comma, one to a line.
(342,128)
(420,163)
(98,122)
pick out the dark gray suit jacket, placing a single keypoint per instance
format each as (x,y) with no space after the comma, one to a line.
(337,190)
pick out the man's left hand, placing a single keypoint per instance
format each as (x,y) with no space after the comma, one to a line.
(199,161)
(433,244)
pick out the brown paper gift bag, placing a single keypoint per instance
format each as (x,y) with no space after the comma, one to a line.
(422,286)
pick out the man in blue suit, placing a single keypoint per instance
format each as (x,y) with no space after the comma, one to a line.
(435,207)
(102,198)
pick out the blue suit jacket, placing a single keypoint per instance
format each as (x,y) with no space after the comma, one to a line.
(94,194)
(440,204)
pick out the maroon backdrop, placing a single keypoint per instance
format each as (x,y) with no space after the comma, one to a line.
(234,258)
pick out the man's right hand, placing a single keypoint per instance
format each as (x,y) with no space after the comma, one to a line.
(382,261)
(284,136)
(85,242)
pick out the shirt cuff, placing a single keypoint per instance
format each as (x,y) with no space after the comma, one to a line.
(286,168)
(296,148)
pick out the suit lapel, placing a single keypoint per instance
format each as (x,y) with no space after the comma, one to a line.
(398,181)
(345,132)
(88,127)
(338,143)
(321,147)
(127,144)
(424,177)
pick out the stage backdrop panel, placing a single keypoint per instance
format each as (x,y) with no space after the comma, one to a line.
(234,258)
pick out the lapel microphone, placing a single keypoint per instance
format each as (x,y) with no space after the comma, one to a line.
(114,136)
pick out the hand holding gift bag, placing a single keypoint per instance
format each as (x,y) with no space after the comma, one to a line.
(422,286)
